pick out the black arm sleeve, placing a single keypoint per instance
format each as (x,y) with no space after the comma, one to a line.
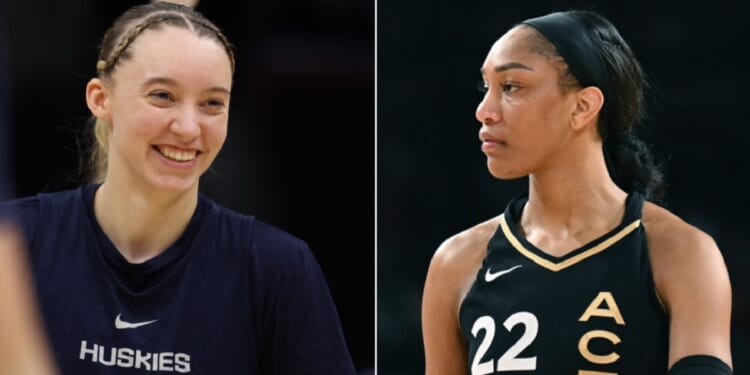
(700,365)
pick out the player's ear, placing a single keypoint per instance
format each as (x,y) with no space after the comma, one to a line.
(589,102)
(97,99)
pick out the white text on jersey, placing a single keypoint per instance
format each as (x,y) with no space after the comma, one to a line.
(134,358)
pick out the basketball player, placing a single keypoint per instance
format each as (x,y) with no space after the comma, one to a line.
(585,273)
(139,271)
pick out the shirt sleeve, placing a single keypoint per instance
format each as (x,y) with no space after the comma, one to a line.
(304,331)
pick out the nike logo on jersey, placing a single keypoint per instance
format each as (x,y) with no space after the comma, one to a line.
(120,324)
(490,276)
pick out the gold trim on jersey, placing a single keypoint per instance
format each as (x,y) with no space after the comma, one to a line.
(661,302)
(572,260)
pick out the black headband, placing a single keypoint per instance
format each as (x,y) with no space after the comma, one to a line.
(575,44)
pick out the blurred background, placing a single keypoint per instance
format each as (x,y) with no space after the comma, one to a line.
(300,149)
(432,180)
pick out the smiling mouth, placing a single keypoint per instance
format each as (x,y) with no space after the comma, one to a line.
(175,154)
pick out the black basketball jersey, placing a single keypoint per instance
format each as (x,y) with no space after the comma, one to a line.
(594,311)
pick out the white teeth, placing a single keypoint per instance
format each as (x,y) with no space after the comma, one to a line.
(177,155)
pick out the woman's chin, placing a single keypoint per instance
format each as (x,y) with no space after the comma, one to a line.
(176,184)
(504,173)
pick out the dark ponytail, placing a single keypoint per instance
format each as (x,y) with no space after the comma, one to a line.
(630,161)
(632,166)
(596,55)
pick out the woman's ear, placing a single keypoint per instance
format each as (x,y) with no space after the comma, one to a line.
(589,103)
(97,99)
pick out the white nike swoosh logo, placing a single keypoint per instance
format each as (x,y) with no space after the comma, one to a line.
(489,276)
(120,324)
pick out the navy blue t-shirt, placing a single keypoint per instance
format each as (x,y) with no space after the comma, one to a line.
(233,295)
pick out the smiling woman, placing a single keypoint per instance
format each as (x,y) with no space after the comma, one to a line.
(173,101)
(138,269)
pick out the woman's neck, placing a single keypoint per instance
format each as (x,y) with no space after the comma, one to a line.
(142,223)
(572,203)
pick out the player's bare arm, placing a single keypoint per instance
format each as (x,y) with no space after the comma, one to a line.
(451,272)
(692,280)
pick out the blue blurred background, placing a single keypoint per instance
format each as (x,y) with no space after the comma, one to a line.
(300,149)
(432,177)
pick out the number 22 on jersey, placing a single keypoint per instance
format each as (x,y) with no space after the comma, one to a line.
(511,359)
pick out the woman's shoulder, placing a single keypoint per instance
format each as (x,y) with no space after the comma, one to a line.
(247,224)
(56,208)
(454,265)
(62,201)
(259,237)
(667,231)
(686,260)
(14,205)
(465,249)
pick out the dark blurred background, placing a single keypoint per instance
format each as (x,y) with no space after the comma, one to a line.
(300,149)
(432,177)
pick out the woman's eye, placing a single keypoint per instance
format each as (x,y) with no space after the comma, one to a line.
(214,106)
(160,96)
(215,103)
(508,87)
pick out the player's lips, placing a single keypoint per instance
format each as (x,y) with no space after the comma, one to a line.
(176,153)
(490,142)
